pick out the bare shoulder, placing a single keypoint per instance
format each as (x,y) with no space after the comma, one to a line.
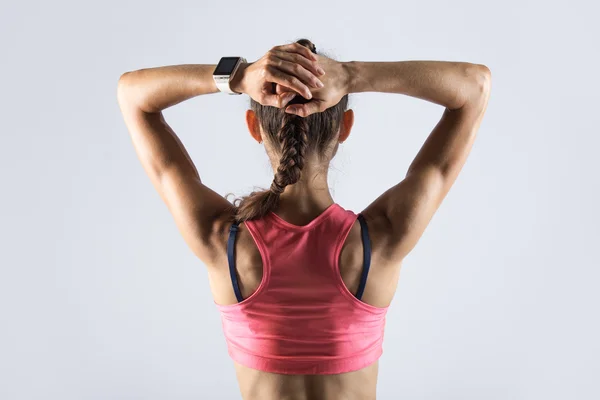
(384,270)
(382,240)
(247,259)
(218,236)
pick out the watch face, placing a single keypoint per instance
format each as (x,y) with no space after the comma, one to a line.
(226,65)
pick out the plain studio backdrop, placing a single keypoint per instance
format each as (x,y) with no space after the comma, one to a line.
(101,299)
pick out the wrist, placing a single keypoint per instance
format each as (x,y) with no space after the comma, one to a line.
(237,82)
(349,75)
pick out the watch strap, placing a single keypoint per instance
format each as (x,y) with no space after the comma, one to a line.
(223,81)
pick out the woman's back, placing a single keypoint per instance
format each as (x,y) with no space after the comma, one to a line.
(341,323)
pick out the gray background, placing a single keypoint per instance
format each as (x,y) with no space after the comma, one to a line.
(101,299)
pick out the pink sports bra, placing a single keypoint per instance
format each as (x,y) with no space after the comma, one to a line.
(302,319)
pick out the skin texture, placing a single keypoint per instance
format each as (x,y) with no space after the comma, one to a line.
(396,219)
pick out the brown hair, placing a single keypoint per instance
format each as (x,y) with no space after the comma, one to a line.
(294,138)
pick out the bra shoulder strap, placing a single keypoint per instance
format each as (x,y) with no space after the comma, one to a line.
(366,255)
(231,260)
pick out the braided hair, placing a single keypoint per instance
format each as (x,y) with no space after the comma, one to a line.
(293,137)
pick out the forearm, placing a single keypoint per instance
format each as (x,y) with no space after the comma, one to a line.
(447,83)
(154,89)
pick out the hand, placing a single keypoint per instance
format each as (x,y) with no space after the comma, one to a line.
(336,80)
(292,66)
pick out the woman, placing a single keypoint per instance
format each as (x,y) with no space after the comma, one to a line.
(288,266)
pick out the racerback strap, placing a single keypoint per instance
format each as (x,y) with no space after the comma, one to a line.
(231,259)
(366,256)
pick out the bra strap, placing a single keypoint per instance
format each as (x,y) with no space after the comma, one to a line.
(231,259)
(366,256)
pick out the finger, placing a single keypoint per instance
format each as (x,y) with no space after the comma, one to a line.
(286,98)
(303,110)
(281,89)
(297,48)
(310,65)
(307,77)
(275,75)
(295,64)
(278,100)
(278,89)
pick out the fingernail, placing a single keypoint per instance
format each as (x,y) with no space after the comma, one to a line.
(321,71)
(320,84)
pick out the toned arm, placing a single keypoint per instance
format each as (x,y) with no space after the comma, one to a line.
(463,89)
(142,96)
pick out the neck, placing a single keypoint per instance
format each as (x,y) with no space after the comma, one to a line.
(310,195)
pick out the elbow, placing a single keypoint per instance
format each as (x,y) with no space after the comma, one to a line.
(484,72)
(123,79)
(123,88)
(483,80)
(480,77)
(131,93)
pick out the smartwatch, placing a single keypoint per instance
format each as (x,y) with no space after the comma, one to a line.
(225,71)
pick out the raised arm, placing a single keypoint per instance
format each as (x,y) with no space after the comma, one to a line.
(463,89)
(142,96)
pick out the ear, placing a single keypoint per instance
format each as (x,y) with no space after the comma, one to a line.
(253,125)
(346,126)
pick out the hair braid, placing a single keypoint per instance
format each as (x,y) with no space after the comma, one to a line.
(293,138)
